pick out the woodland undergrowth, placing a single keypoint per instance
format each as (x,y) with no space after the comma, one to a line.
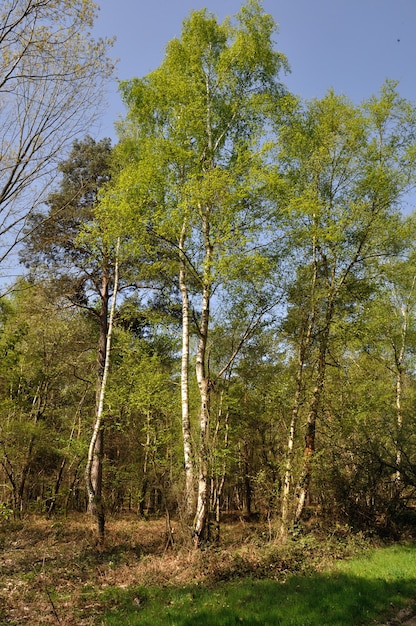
(52,571)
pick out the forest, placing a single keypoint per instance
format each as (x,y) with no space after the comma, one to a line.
(215,317)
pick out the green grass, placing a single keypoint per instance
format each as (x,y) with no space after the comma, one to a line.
(352,592)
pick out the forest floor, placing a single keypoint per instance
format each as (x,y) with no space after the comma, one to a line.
(51,571)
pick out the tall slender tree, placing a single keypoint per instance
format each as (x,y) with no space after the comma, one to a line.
(195,135)
(79,268)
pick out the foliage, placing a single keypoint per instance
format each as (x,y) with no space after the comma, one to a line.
(47,387)
(266,316)
(53,247)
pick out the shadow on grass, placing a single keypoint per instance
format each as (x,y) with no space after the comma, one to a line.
(335,599)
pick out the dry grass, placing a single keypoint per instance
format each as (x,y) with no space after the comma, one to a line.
(51,571)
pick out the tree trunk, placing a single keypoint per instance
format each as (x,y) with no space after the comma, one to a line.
(307,327)
(200,522)
(186,423)
(287,481)
(145,479)
(285,520)
(305,478)
(399,420)
(201,516)
(399,361)
(95,501)
(219,476)
(94,467)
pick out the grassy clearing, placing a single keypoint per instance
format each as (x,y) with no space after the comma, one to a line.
(52,573)
(358,591)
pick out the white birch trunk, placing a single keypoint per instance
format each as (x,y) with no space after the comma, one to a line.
(94,487)
(305,342)
(201,516)
(399,358)
(186,423)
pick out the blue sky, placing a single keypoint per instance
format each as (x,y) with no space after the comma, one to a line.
(351,46)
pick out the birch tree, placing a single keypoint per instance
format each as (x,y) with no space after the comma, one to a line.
(66,246)
(350,168)
(194,136)
(94,467)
